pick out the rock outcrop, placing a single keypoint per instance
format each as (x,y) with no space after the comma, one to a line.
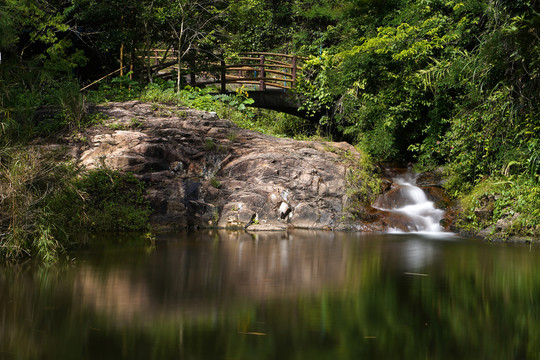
(204,171)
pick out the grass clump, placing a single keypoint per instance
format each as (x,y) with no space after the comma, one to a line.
(214,182)
(29,180)
(44,201)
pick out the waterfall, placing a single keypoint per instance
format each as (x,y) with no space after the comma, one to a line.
(409,207)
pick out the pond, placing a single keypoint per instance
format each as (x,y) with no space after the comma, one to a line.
(291,295)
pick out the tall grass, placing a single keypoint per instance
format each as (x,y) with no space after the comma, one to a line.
(73,104)
(29,178)
(45,200)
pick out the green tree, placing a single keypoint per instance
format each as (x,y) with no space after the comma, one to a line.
(29,25)
(250,24)
(190,23)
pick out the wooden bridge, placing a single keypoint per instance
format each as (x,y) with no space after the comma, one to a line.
(268,77)
(262,70)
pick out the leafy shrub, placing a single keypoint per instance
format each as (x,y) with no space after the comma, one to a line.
(238,101)
(121,88)
(533,161)
(515,197)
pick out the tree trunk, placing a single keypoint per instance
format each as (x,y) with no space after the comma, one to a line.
(122,59)
(178,80)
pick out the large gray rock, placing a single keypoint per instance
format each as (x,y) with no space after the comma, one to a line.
(204,171)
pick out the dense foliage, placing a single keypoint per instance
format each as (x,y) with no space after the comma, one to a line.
(437,82)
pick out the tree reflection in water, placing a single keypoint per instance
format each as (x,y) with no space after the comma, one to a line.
(302,294)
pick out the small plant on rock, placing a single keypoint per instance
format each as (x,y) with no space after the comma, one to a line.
(209,145)
(135,123)
(215,182)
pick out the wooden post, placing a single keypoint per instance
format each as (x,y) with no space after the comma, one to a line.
(223,78)
(131,69)
(262,85)
(156,59)
(122,59)
(293,72)
(131,61)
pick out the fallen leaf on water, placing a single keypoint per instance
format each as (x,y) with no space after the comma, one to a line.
(415,274)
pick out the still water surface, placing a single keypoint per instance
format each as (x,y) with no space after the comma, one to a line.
(296,295)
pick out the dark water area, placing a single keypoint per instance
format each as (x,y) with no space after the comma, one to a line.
(296,295)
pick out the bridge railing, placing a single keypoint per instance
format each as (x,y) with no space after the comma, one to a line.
(262,70)
(265,70)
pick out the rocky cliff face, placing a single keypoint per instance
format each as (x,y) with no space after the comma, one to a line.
(204,171)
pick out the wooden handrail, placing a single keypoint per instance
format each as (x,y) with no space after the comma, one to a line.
(273,54)
(272,61)
(257,83)
(269,71)
(258,68)
(257,58)
(265,65)
(266,79)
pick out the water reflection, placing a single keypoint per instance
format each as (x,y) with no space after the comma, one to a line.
(300,294)
(418,254)
(187,277)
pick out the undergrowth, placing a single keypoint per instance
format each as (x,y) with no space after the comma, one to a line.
(363,182)
(235,106)
(45,201)
(516,199)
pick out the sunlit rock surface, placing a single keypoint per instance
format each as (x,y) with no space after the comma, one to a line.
(204,171)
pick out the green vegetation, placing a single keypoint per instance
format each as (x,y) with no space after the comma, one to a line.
(442,83)
(46,200)
(215,182)
(363,186)
(28,182)
(503,199)
(234,107)
(114,201)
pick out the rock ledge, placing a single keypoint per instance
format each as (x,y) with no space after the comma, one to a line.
(203,171)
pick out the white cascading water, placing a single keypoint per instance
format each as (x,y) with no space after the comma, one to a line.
(423,215)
